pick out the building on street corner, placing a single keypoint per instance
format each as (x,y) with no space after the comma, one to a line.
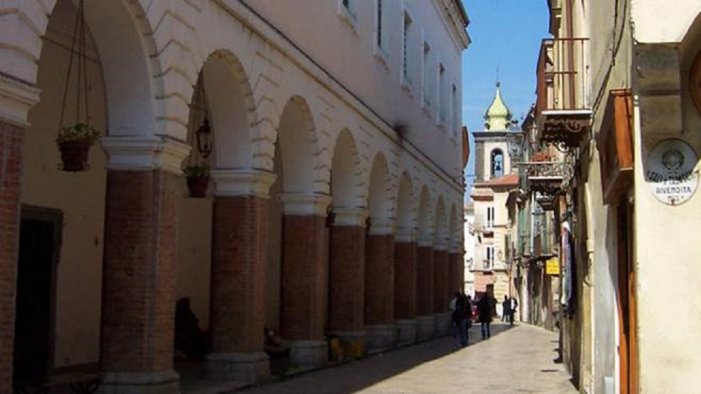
(323,150)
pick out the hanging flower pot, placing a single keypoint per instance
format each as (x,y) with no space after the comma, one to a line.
(74,142)
(197,180)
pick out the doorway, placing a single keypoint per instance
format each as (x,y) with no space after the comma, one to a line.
(627,305)
(39,244)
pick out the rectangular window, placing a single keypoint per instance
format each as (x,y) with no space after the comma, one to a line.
(454,108)
(426,76)
(490,217)
(349,6)
(442,102)
(489,261)
(405,50)
(379,25)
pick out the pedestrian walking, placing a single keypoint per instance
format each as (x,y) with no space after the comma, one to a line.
(514,306)
(460,317)
(484,307)
(505,309)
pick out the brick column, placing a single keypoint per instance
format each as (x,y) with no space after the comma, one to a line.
(405,265)
(16,98)
(347,276)
(11,137)
(304,278)
(424,291)
(457,270)
(138,278)
(441,291)
(239,231)
(379,285)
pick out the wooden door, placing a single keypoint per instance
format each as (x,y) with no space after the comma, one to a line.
(627,305)
(36,274)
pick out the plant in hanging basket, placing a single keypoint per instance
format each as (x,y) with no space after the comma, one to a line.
(74,142)
(197,179)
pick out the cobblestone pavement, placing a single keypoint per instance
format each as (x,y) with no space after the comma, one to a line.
(514,360)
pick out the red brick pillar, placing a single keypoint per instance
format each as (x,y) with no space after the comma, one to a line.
(303,309)
(379,285)
(347,275)
(239,234)
(441,291)
(139,275)
(424,291)
(10,187)
(457,270)
(405,265)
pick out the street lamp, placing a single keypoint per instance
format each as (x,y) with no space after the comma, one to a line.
(204,139)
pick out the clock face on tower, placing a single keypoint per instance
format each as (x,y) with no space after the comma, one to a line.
(695,82)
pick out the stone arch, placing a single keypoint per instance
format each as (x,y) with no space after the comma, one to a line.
(379,186)
(228,97)
(425,231)
(345,172)
(496,163)
(440,226)
(126,62)
(297,145)
(406,221)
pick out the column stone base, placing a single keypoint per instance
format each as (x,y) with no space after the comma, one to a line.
(407,332)
(248,368)
(442,324)
(308,354)
(381,337)
(424,327)
(140,383)
(353,343)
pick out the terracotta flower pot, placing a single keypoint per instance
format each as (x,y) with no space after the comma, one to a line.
(74,155)
(197,185)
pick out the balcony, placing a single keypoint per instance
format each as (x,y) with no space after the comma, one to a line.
(546,177)
(563,112)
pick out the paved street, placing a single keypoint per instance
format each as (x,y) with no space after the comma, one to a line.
(514,360)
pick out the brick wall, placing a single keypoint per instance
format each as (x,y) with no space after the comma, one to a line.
(379,279)
(347,278)
(238,274)
(441,291)
(138,292)
(405,280)
(457,271)
(10,188)
(304,277)
(424,281)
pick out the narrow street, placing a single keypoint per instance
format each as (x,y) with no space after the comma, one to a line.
(514,360)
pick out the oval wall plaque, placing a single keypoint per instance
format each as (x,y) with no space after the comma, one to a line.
(671,171)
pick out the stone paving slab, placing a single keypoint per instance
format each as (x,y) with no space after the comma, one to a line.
(513,360)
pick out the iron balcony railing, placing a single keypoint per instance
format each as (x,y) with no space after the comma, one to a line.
(563,75)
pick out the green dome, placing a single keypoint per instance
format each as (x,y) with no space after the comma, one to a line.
(498,116)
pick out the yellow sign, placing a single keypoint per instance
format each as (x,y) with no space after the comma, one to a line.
(552,266)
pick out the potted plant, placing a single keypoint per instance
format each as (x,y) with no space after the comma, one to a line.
(74,142)
(197,179)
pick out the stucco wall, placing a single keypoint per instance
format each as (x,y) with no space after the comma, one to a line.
(667,246)
(80,197)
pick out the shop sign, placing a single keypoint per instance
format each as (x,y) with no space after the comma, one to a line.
(671,171)
(552,266)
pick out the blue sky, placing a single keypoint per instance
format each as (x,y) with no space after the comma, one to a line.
(506,34)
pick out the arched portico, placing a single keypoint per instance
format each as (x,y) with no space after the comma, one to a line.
(424,283)
(125,231)
(347,245)
(405,261)
(441,292)
(379,260)
(304,269)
